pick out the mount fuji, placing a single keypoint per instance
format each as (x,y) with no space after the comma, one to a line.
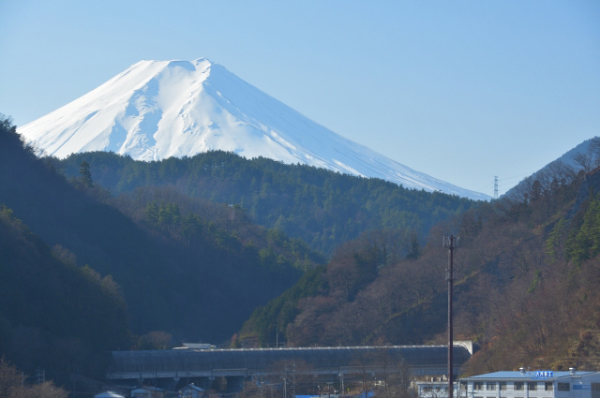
(159,109)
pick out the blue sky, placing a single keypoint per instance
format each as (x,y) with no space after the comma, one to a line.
(460,90)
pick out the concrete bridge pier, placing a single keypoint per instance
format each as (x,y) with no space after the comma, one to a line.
(207,383)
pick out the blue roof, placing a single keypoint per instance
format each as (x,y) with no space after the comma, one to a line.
(528,375)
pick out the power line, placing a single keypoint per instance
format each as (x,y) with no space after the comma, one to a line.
(515,177)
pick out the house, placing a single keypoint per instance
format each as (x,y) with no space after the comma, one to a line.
(191,391)
(532,384)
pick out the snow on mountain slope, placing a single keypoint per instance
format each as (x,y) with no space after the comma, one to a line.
(159,109)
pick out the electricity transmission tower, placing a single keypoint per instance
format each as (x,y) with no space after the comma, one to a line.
(495,187)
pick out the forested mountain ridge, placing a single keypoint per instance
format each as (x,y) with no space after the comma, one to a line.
(526,272)
(584,157)
(549,317)
(54,314)
(322,207)
(526,275)
(179,261)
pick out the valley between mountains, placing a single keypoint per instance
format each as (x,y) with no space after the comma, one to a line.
(124,254)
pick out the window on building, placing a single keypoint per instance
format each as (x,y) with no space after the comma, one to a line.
(564,387)
(478,385)
(518,385)
(427,389)
(548,386)
(532,386)
(490,386)
(502,386)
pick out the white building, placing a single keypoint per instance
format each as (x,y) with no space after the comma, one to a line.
(532,384)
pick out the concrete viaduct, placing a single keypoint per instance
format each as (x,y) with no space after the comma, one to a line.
(172,368)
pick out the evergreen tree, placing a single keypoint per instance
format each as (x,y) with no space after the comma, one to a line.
(86,175)
(415,248)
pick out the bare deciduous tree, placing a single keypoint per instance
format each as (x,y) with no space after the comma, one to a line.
(594,150)
(584,160)
(12,385)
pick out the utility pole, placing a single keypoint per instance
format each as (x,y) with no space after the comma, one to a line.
(451,242)
(285,382)
(294,380)
(329,383)
(41,375)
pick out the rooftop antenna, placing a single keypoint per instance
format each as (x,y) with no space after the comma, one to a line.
(451,242)
(495,187)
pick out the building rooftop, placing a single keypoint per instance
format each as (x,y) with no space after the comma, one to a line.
(130,364)
(527,375)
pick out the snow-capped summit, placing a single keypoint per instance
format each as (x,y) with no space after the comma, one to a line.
(159,109)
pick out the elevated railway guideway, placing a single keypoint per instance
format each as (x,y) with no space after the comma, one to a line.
(176,366)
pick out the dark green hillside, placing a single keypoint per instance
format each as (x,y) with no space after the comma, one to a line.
(193,276)
(54,314)
(316,299)
(268,323)
(323,208)
(98,234)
